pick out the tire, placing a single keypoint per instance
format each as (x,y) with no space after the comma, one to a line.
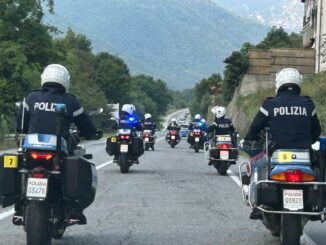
(291,229)
(124,163)
(146,147)
(37,224)
(58,233)
(172,145)
(222,168)
(196,147)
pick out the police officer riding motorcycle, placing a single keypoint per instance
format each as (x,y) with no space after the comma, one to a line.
(282,183)
(43,166)
(197,135)
(173,135)
(126,146)
(148,134)
(222,150)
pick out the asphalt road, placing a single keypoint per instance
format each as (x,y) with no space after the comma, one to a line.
(171,197)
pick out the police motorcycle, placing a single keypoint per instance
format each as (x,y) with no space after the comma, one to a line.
(173,138)
(126,148)
(221,153)
(284,188)
(46,184)
(197,136)
(149,139)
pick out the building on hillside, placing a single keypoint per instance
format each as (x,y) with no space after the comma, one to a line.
(314,30)
(263,66)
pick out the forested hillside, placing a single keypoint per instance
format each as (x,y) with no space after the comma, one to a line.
(27,46)
(179,41)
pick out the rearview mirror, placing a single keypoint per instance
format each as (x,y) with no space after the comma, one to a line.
(95,111)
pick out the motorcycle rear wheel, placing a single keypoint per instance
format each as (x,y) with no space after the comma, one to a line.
(37,224)
(291,229)
(124,163)
(196,146)
(222,168)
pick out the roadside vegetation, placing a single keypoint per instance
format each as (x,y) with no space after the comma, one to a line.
(313,86)
(28,45)
(236,66)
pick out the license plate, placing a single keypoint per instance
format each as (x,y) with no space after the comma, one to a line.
(146,139)
(173,137)
(124,148)
(196,139)
(37,188)
(224,155)
(293,199)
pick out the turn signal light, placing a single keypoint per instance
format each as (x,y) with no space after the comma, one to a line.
(223,147)
(293,176)
(44,156)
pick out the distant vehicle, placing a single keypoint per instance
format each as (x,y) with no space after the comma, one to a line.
(184,130)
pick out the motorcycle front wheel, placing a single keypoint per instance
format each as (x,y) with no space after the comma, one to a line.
(37,224)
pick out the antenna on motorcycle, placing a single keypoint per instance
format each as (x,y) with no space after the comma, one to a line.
(22,105)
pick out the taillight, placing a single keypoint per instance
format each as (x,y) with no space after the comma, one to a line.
(38,175)
(124,137)
(146,135)
(196,133)
(43,156)
(293,176)
(223,146)
(173,132)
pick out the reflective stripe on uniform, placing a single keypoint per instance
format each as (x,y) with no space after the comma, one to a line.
(264,111)
(78,112)
(313,112)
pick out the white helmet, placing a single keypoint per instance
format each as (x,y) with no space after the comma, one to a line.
(288,76)
(56,73)
(129,108)
(147,116)
(220,112)
(197,116)
(174,120)
(214,109)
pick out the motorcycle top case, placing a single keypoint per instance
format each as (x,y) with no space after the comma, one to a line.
(79,181)
(9,179)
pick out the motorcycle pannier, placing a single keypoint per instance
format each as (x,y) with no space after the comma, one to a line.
(79,181)
(9,179)
(112,147)
(138,147)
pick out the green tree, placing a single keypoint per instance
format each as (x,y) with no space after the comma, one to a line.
(112,75)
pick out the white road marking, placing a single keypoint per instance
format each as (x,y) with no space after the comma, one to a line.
(7,213)
(236,179)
